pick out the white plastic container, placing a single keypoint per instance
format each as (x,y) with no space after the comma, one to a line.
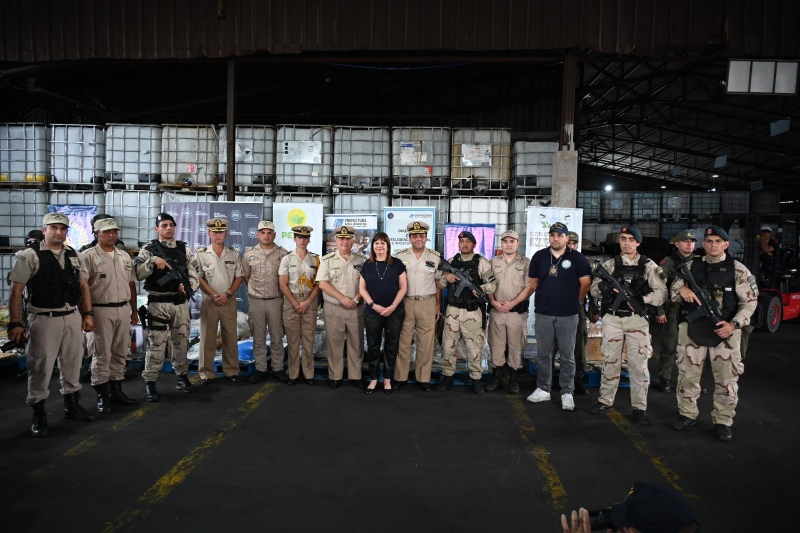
(135,212)
(255,155)
(133,153)
(21,210)
(79,198)
(589,233)
(442,205)
(359,153)
(481,155)
(6,262)
(324,199)
(421,153)
(705,205)
(481,210)
(649,229)
(532,164)
(24,152)
(263,199)
(303,155)
(646,206)
(189,155)
(183,196)
(361,203)
(78,154)
(518,219)
(615,206)
(676,205)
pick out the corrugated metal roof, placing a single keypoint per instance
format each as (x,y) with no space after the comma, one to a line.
(58,30)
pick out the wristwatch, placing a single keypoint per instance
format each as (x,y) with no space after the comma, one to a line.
(736,325)
(229,295)
(89,313)
(369,304)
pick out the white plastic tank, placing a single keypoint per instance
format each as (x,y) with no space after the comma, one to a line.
(255,155)
(303,155)
(6,262)
(133,153)
(360,152)
(78,154)
(483,154)
(361,203)
(79,198)
(481,210)
(21,210)
(136,213)
(421,158)
(440,203)
(263,199)
(532,164)
(589,233)
(24,152)
(189,154)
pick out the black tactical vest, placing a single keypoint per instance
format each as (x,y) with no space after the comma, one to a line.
(719,281)
(636,273)
(53,287)
(466,300)
(178,255)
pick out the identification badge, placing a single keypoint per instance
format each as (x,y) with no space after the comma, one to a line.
(553,270)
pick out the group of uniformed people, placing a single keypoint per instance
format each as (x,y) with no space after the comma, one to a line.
(94,292)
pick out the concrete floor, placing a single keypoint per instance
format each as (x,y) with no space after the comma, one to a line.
(239,457)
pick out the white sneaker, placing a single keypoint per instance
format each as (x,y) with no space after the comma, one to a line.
(539,395)
(567,403)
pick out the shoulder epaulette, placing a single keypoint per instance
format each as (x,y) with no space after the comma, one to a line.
(312,253)
(232,249)
(362,256)
(404,250)
(328,256)
(202,249)
(434,252)
(285,251)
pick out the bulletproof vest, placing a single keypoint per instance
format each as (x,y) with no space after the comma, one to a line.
(622,272)
(53,287)
(466,300)
(677,259)
(178,255)
(719,282)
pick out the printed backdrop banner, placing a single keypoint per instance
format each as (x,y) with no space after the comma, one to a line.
(80,222)
(539,221)
(286,215)
(365,225)
(484,234)
(191,217)
(395,220)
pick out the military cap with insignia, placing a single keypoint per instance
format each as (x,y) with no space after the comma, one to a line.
(55,218)
(685,235)
(718,232)
(572,236)
(106,224)
(559,227)
(302,231)
(632,231)
(217,225)
(509,233)
(266,224)
(417,227)
(344,232)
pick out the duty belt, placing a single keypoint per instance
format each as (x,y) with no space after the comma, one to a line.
(301,295)
(418,298)
(54,314)
(166,298)
(273,298)
(620,313)
(118,304)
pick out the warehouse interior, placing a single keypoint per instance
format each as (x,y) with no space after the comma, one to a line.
(643,87)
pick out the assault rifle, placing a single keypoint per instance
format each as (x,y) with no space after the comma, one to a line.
(463,282)
(175,272)
(708,308)
(624,293)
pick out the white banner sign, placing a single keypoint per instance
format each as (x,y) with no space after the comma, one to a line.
(395,220)
(286,215)
(365,225)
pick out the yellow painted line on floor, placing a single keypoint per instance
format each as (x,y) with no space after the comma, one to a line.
(90,442)
(643,446)
(553,488)
(178,473)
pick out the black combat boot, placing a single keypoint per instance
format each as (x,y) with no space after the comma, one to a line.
(151,394)
(39,425)
(73,409)
(184,384)
(497,379)
(117,396)
(103,401)
(513,385)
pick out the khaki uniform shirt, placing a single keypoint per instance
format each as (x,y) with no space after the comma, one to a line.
(296,268)
(261,270)
(343,275)
(108,274)
(422,273)
(26,266)
(144,264)
(512,278)
(746,290)
(652,273)
(219,271)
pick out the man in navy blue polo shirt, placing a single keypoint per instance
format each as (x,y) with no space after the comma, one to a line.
(561,278)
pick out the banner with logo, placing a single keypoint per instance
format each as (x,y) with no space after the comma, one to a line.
(366,227)
(538,230)
(190,219)
(484,235)
(286,215)
(395,220)
(80,222)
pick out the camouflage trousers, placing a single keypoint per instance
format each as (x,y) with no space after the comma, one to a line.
(726,367)
(633,333)
(669,343)
(462,323)
(177,320)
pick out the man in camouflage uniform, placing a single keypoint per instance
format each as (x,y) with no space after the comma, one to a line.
(624,328)
(297,279)
(338,277)
(220,277)
(422,306)
(261,264)
(508,316)
(464,316)
(109,273)
(167,303)
(667,313)
(731,284)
